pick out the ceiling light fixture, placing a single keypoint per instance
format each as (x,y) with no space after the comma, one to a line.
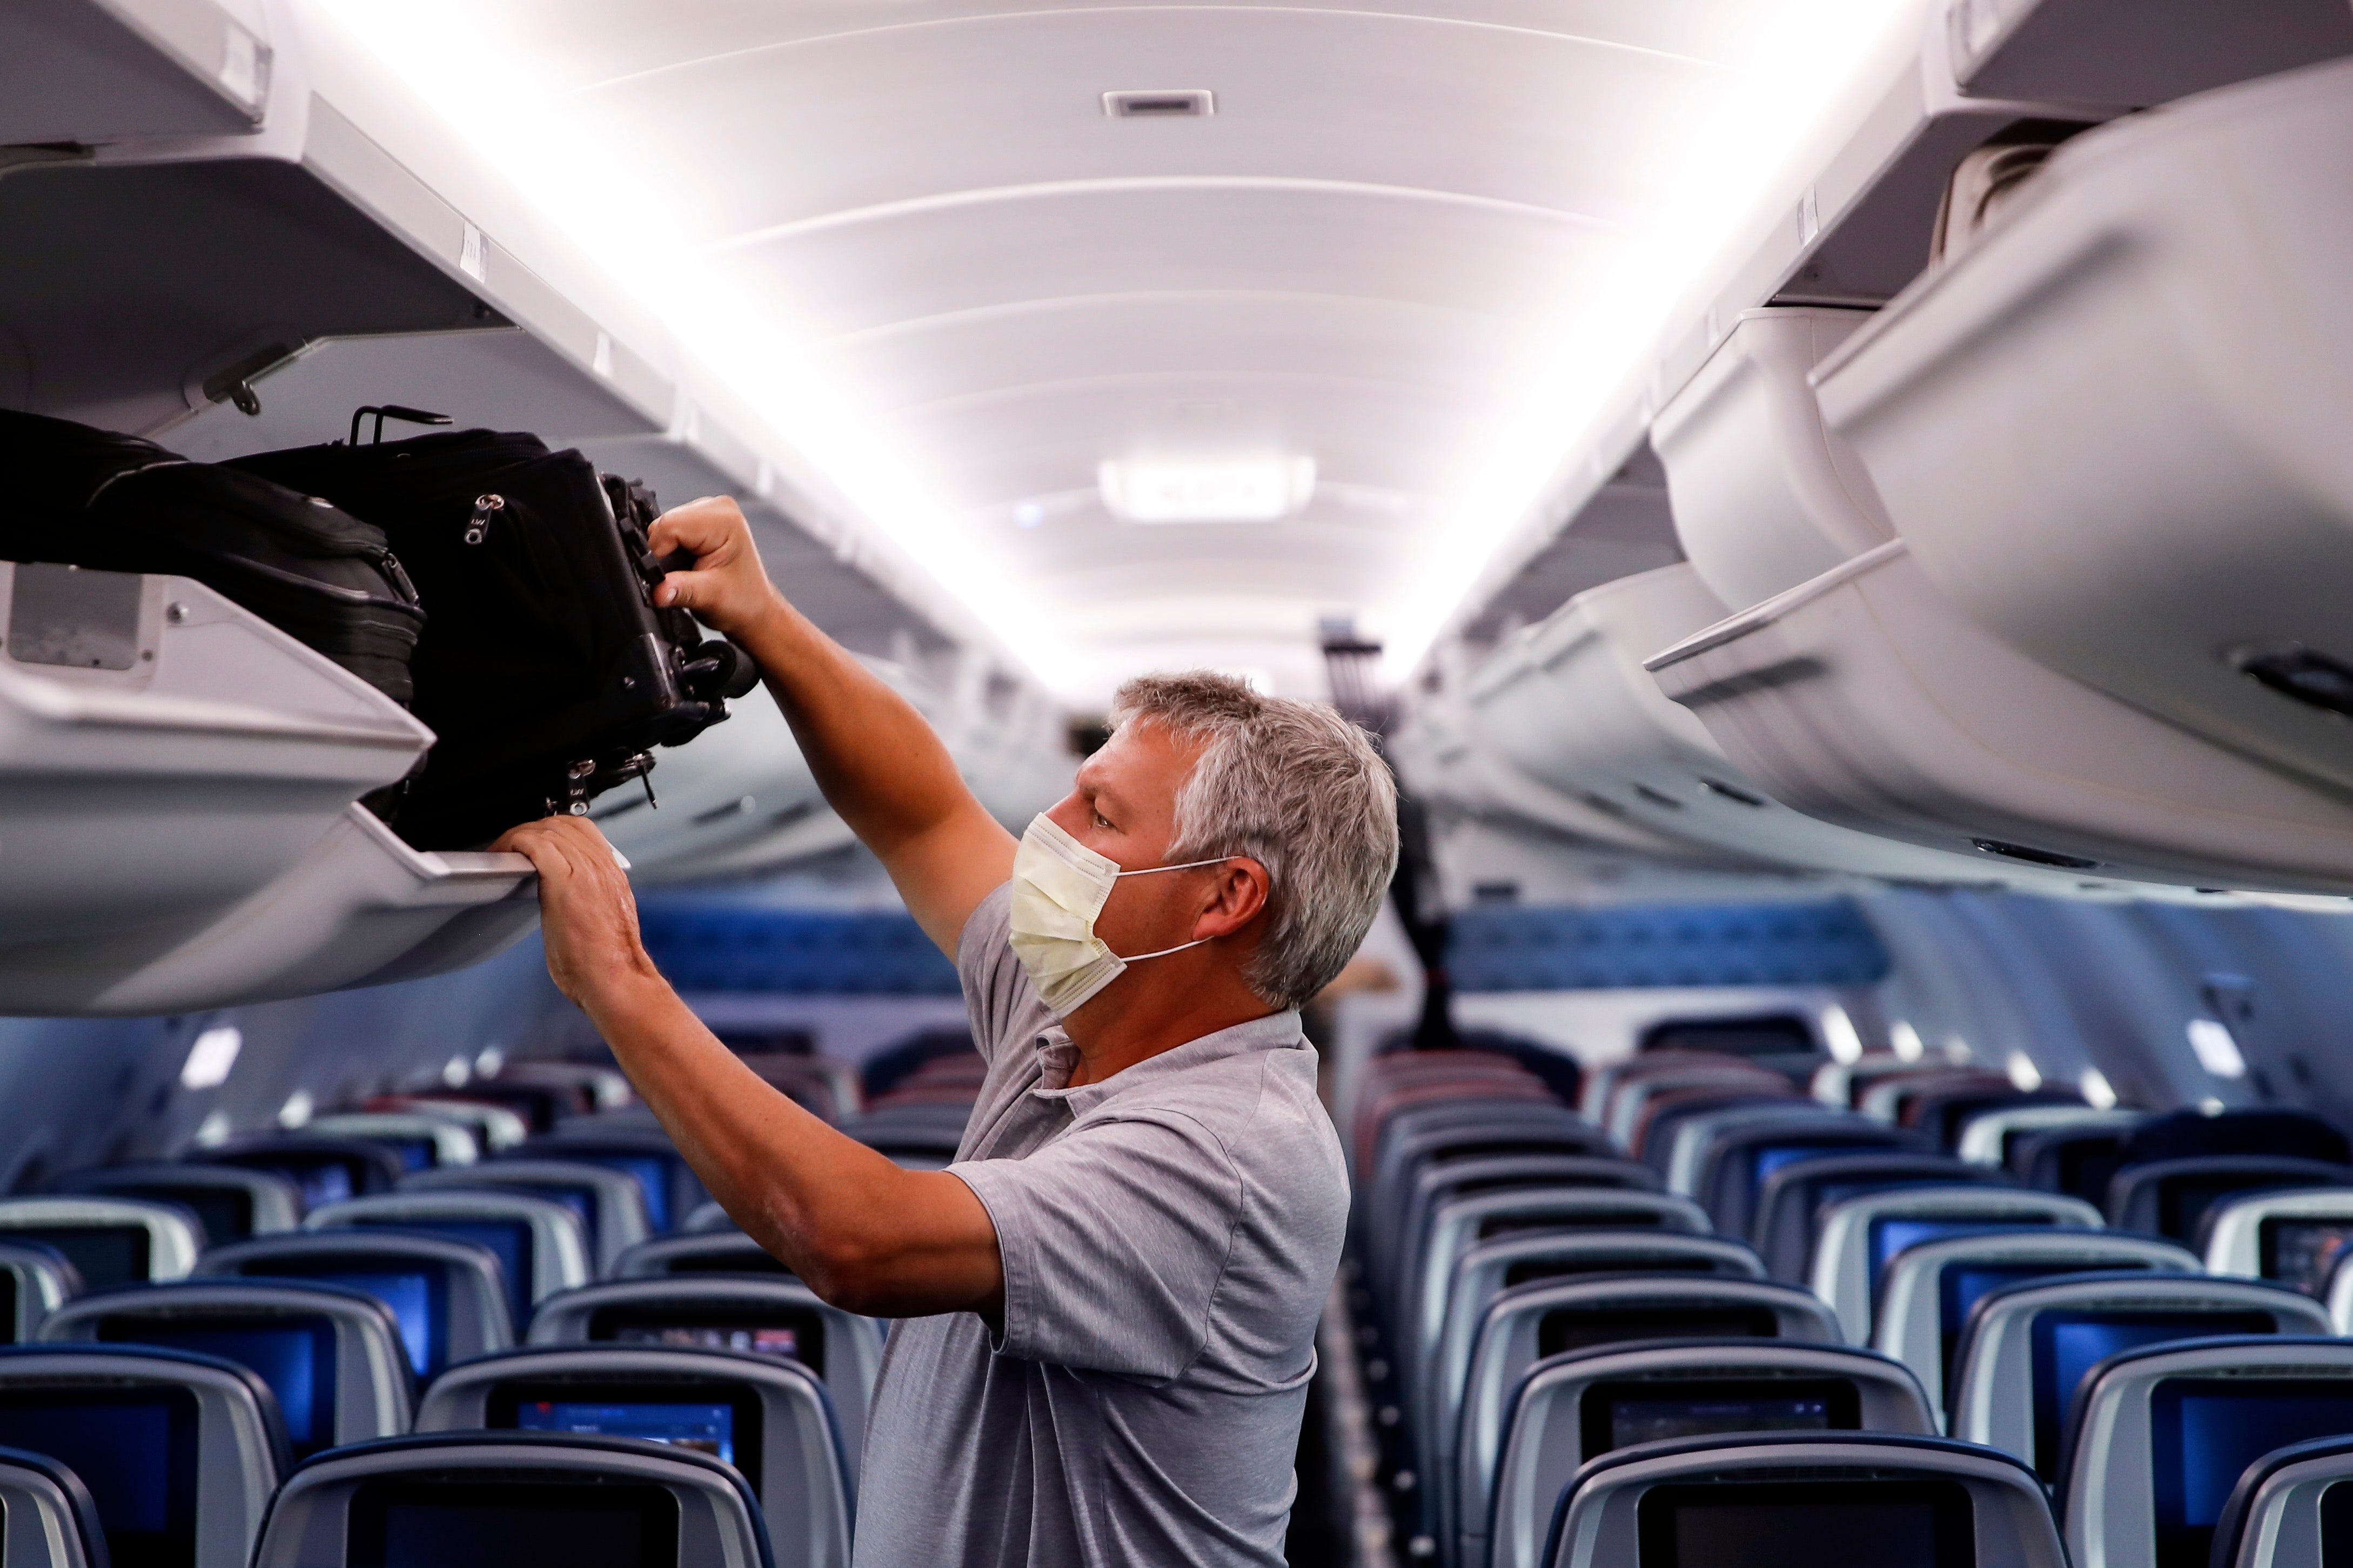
(1261,490)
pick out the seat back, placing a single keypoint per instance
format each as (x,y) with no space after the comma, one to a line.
(109,1241)
(36,1280)
(728,1251)
(231,1203)
(2160,1436)
(768,1417)
(1630,1102)
(2078,1158)
(1943,1113)
(2291,1235)
(180,1451)
(449,1297)
(1396,1238)
(492,1500)
(325,1170)
(1460,1223)
(672,1190)
(495,1127)
(540,1245)
(2020,1368)
(1926,1295)
(1741,1160)
(1470,1131)
(2281,1511)
(781,1317)
(1794,1195)
(1654,1139)
(1575,1407)
(1993,1137)
(1492,1268)
(1857,1238)
(47,1517)
(2171,1197)
(1545,1318)
(332,1357)
(1683,1153)
(1805,1500)
(609,1204)
(423,1140)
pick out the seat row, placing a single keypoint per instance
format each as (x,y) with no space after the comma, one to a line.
(1538,1300)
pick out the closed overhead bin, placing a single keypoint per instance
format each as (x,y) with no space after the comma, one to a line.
(2114,431)
(1864,698)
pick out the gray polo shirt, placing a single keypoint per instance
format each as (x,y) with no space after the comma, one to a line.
(1170,1235)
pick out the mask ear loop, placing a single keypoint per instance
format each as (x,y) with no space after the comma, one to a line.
(1188,866)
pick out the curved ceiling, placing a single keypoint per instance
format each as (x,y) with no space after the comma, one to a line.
(919,215)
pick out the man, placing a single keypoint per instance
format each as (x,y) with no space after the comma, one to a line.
(1112,1294)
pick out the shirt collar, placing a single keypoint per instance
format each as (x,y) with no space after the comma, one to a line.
(1056,1056)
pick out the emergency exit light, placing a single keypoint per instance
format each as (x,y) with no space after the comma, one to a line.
(1256,490)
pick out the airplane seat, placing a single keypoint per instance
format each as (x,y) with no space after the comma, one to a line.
(449,1296)
(711,1216)
(2290,1507)
(1602,1097)
(1920,1311)
(1805,1500)
(1789,1205)
(2160,1436)
(1889,1097)
(728,1251)
(779,1317)
(232,1203)
(610,1204)
(1534,1321)
(326,1170)
(490,1500)
(1942,1114)
(2292,1235)
(1574,1407)
(424,1139)
(1389,1213)
(540,1243)
(1682,1151)
(1654,1133)
(1462,1128)
(47,1517)
(2180,1134)
(2026,1350)
(180,1451)
(672,1190)
(1739,1160)
(1393,1237)
(1631,1099)
(109,1240)
(1442,1366)
(2077,1157)
(35,1280)
(1993,1137)
(1785,1042)
(1856,1238)
(332,1356)
(770,1418)
(2171,1197)
(496,1128)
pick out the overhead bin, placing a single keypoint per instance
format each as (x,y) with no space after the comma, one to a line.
(737,781)
(97,71)
(2135,53)
(2114,432)
(1765,497)
(1570,703)
(178,816)
(1864,698)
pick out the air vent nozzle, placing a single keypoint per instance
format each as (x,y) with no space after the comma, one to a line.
(1171,104)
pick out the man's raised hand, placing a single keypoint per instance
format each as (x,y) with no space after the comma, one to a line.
(728,589)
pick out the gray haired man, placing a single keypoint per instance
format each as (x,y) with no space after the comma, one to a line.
(1114,1288)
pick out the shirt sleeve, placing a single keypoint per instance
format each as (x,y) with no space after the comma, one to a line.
(1114,1240)
(997,990)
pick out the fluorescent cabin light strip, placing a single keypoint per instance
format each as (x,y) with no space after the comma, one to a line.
(1265,490)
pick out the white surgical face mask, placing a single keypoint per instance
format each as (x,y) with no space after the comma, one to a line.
(1058,889)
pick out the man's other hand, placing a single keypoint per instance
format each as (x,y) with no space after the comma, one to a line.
(588,915)
(728,590)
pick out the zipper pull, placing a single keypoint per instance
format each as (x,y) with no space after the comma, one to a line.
(477,527)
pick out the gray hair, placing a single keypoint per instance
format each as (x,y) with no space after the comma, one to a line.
(1295,787)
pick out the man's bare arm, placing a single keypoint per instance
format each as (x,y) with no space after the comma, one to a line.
(863,1232)
(877,759)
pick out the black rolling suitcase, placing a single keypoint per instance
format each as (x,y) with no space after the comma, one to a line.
(83,497)
(545,673)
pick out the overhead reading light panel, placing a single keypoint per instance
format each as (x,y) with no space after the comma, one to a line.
(1248,490)
(1189,102)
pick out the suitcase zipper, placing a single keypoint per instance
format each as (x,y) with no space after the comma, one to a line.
(477,527)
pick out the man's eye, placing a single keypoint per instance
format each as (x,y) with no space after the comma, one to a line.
(1100,820)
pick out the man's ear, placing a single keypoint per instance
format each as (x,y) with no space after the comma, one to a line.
(1238,895)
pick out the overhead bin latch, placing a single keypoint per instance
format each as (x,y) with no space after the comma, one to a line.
(384,410)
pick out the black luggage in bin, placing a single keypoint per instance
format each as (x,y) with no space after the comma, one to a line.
(546,672)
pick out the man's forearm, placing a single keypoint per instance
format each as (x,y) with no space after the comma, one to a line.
(861,1231)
